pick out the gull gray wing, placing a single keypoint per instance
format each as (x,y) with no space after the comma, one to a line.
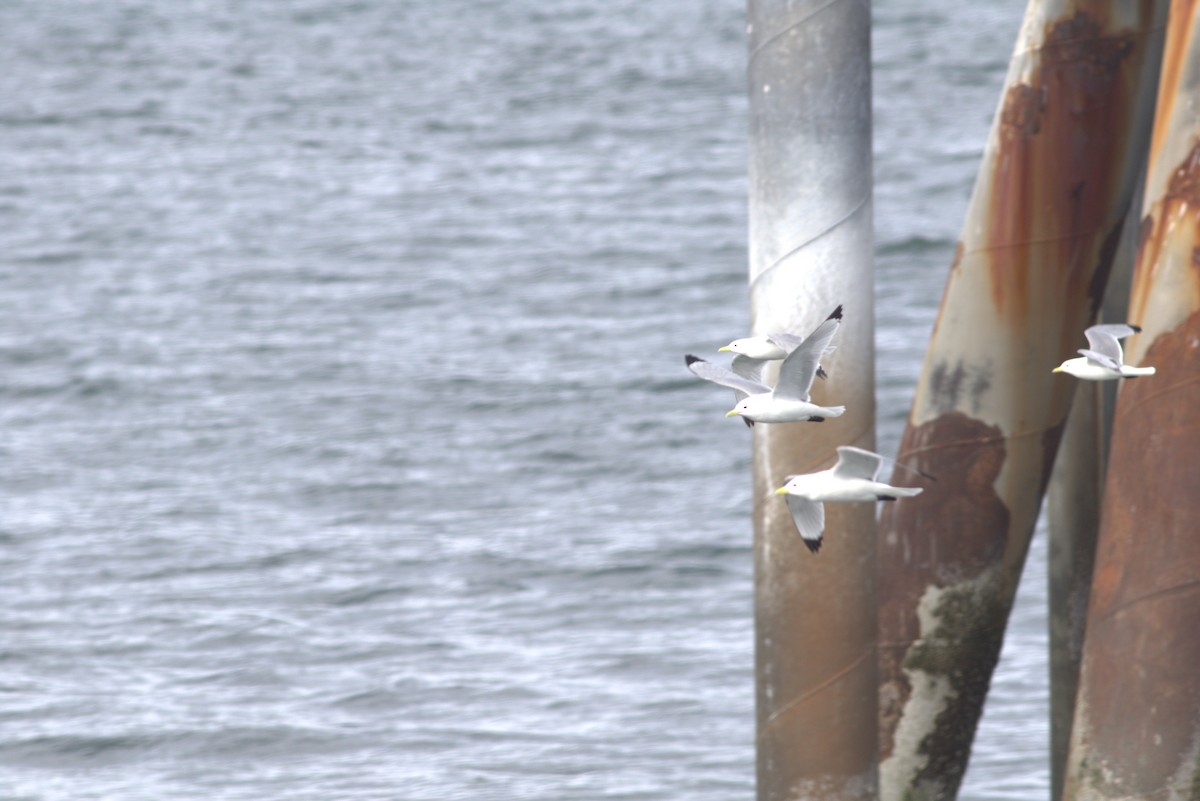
(800,367)
(1117,330)
(1102,359)
(788,342)
(1102,339)
(857,463)
(809,517)
(748,368)
(726,378)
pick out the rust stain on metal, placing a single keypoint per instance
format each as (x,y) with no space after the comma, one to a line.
(1142,688)
(1174,61)
(944,536)
(1184,185)
(1160,228)
(1021,114)
(1056,140)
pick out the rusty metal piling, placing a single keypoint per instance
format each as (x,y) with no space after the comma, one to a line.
(1136,731)
(1073,510)
(1027,278)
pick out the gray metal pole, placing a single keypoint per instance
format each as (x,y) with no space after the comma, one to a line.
(811,248)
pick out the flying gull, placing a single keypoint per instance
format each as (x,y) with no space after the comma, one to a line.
(770,347)
(851,479)
(1103,359)
(789,401)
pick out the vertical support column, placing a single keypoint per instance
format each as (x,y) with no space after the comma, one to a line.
(1136,731)
(1073,508)
(1028,276)
(811,248)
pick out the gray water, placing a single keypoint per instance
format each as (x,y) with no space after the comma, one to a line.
(346,448)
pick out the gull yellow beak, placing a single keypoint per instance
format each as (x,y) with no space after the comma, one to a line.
(732,413)
(781,491)
(1057,369)
(724,349)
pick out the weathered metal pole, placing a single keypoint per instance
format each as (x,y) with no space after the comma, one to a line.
(1073,508)
(1028,275)
(811,248)
(1136,732)
(1073,511)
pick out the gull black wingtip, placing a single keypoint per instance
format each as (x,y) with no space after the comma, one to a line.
(837,313)
(1137,329)
(812,545)
(689,359)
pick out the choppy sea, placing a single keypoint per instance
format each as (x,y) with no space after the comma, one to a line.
(346,450)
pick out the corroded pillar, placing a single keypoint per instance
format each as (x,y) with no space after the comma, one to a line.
(1028,276)
(1136,731)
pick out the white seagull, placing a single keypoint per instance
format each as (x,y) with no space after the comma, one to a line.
(1103,359)
(752,352)
(763,348)
(851,479)
(789,401)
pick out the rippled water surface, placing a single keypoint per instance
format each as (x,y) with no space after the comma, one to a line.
(347,450)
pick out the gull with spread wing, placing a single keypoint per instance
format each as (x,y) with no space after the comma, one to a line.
(789,401)
(851,479)
(1103,359)
(752,352)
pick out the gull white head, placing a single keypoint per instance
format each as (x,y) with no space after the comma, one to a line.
(754,347)
(750,407)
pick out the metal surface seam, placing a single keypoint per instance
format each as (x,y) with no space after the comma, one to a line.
(838,224)
(783,31)
(1177,589)
(833,679)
